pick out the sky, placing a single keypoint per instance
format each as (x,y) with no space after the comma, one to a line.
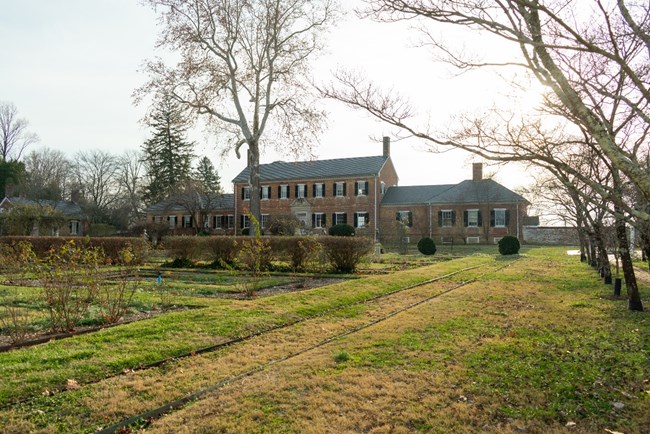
(71,66)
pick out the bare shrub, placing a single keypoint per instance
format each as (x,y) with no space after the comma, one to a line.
(114,299)
(70,278)
(345,253)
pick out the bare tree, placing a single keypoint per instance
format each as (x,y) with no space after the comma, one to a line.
(244,68)
(96,175)
(48,173)
(593,62)
(14,136)
(130,178)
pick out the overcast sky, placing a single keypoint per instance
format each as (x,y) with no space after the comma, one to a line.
(70,67)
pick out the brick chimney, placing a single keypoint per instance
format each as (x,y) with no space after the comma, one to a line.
(386,146)
(477,171)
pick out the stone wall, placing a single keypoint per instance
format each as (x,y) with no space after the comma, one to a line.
(550,235)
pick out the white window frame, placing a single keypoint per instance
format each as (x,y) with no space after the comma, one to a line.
(265,220)
(230,221)
(502,213)
(318,190)
(302,190)
(361,215)
(284,191)
(74,227)
(360,189)
(247,193)
(266,192)
(217,222)
(339,189)
(472,240)
(157,219)
(336,218)
(318,219)
(246,223)
(171,220)
(383,187)
(187,221)
(472,222)
(497,239)
(447,216)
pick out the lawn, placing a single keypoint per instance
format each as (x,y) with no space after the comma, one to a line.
(533,344)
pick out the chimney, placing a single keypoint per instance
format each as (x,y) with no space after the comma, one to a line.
(477,171)
(386,146)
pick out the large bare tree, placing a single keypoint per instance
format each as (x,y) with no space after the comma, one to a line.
(244,67)
(48,174)
(592,56)
(95,174)
(14,134)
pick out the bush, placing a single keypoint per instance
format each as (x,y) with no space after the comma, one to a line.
(341,230)
(222,250)
(509,245)
(426,246)
(185,249)
(345,253)
(283,225)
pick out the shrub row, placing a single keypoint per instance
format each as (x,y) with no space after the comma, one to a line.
(343,253)
(111,246)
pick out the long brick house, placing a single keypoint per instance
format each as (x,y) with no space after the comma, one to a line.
(364,193)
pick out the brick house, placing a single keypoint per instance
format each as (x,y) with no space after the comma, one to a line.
(363,193)
(472,211)
(321,193)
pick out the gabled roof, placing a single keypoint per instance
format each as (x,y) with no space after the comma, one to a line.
(415,194)
(177,203)
(67,207)
(318,169)
(465,192)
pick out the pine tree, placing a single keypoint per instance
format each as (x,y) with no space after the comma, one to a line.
(207,175)
(167,154)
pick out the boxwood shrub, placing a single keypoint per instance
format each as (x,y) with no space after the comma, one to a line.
(341,230)
(509,245)
(426,246)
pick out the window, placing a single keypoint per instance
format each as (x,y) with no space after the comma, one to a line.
(283,192)
(318,220)
(265,220)
(218,221)
(206,221)
(246,193)
(406,217)
(230,221)
(339,218)
(472,218)
(54,231)
(157,219)
(446,218)
(339,189)
(301,191)
(361,219)
(265,192)
(74,227)
(187,221)
(172,221)
(499,218)
(472,240)
(383,187)
(497,239)
(361,188)
(245,221)
(319,190)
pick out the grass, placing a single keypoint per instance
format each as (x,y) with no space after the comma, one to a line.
(528,348)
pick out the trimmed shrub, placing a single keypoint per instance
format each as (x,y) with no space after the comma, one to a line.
(283,225)
(509,245)
(222,250)
(426,246)
(184,249)
(341,230)
(345,253)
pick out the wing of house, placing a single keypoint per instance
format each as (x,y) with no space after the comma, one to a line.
(195,211)
(473,211)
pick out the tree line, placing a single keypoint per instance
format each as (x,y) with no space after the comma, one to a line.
(112,189)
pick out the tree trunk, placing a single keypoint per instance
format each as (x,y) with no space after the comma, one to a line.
(634,298)
(602,259)
(254,182)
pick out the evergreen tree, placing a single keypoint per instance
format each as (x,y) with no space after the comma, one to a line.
(167,154)
(207,175)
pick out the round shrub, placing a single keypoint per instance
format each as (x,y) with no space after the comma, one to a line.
(426,246)
(341,230)
(509,245)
